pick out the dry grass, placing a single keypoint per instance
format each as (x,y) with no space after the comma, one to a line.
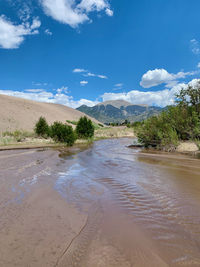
(113,132)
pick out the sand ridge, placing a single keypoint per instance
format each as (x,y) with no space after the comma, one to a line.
(22,114)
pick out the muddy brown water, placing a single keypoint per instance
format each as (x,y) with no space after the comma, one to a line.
(141,209)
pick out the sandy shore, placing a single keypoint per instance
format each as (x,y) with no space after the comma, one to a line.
(36,223)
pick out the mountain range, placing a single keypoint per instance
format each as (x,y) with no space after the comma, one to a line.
(117,111)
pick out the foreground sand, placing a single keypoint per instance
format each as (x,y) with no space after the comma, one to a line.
(36,224)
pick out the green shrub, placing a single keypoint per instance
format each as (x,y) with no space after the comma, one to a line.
(184,120)
(62,133)
(42,127)
(157,132)
(85,128)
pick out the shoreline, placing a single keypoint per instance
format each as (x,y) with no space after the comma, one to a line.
(107,133)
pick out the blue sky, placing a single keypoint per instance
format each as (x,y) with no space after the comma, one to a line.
(77,52)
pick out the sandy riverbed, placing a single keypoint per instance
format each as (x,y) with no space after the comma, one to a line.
(104,206)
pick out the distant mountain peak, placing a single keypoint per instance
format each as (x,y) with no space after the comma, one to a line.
(116,103)
(119,111)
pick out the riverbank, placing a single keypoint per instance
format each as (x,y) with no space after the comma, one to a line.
(23,140)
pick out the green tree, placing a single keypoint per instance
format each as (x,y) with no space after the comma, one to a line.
(42,127)
(190,96)
(85,128)
(63,133)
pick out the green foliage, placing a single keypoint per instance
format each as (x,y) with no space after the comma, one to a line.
(42,127)
(156,132)
(181,122)
(85,128)
(190,96)
(62,133)
(137,124)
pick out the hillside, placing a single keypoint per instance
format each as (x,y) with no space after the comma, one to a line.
(19,113)
(118,111)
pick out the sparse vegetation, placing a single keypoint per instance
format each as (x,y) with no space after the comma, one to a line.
(113,132)
(85,128)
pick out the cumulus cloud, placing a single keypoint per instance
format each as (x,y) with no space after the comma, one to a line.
(195,46)
(161,76)
(72,13)
(41,95)
(11,35)
(198,65)
(160,98)
(83,83)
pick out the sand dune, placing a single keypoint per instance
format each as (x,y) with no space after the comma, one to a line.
(18,113)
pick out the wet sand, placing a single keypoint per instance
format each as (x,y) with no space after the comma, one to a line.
(108,205)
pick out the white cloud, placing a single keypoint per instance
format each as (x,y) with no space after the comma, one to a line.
(159,76)
(87,73)
(109,12)
(44,96)
(83,83)
(157,98)
(79,70)
(195,46)
(34,90)
(63,89)
(24,12)
(11,35)
(35,25)
(72,13)
(48,32)
(102,76)
(198,65)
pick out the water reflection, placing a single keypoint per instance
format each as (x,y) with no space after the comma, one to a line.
(159,192)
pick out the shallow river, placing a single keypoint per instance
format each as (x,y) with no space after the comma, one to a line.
(142,209)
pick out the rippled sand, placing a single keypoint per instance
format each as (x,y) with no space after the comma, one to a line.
(108,205)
